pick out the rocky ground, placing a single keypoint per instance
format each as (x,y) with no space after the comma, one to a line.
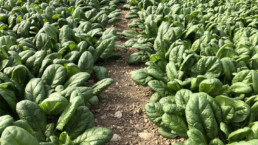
(121,106)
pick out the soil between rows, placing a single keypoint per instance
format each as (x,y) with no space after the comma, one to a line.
(126,98)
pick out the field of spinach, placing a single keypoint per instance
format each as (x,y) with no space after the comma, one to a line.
(202,61)
(48,52)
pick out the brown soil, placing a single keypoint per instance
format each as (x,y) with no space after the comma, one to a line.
(133,128)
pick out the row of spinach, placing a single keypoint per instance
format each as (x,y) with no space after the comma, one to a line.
(48,52)
(201,59)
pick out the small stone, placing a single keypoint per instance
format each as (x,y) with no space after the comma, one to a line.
(119,127)
(135,133)
(118,114)
(137,126)
(103,116)
(116,137)
(145,136)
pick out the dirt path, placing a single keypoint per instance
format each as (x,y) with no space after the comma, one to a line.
(125,98)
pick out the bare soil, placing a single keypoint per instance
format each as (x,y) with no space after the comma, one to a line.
(126,98)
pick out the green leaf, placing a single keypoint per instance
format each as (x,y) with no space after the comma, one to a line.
(7,40)
(81,120)
(226,51)
(151,26)
(130,33)
(5,121)
(130,42)
(228,68)
(69,111)
(200,115)
(237,109)
(9,97)
(54,75)
(166,133)
(94,136)
(137,57)
(94,100)
(25,125)
(175,123)
(101,85)
(182,97)
(105,49)
(35,90)
(65,139)
(17,136)
(216,141)
(100,72)
(156,73)
(85,92)
(20,73)
(30,112)
(224,129)
(209,66)
(86,62)
(144,47)
(196,137)
(43,41)
(73,56)
(23,28)
(155,97)
(211,86)
(172,71)
(174,86)
(71,69)
(254,128)
(159,87)
(141,77)
(239,134)
(54,104)
(79,79)
(240,88)
(250,142)
(66,34)
(154,112)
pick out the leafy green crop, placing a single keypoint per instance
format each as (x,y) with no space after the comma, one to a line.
(202,66)
(48,52)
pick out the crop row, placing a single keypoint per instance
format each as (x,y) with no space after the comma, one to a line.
(201,59)
(48,51)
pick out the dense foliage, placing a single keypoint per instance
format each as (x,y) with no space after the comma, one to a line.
(48,50)
(202,65)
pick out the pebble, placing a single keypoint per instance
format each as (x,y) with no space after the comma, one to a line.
(103,116)
(116,137)
(118,114)
(145,136)
(137,126)
(135,133)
